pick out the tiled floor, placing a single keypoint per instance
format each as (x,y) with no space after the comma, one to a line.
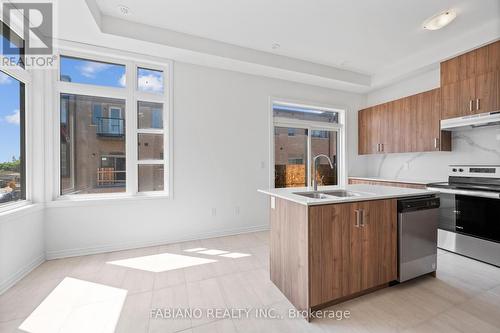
(464,297)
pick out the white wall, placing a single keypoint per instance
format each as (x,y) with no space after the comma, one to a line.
(21,244)
(221,157)
(477,146)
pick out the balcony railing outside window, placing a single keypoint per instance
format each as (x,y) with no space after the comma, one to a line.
(110,127)
(109,177)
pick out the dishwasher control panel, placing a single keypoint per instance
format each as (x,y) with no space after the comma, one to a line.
(408,205)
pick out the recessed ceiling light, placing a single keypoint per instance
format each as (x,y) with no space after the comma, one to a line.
(124,10)
(440,20)
(275,46)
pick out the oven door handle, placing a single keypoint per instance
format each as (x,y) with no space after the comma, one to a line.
(482,194)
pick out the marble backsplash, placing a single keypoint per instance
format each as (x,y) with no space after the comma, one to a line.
(470,146)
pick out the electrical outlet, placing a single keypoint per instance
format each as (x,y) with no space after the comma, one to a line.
(407,165)
(214,211)
(236,210)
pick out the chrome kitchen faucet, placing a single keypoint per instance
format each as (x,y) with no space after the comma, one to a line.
(315,167)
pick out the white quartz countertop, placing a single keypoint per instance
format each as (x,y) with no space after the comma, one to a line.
(407,181)
(366,193)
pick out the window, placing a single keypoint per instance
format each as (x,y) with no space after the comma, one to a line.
(12,160)
(290,152)
(150,140)
(300,133)
(112,140)
(149,80)
(11,45)
(92,72)
(304,113)
(96,113)
(151,177)
(92,157)
(12,121)
(150,115)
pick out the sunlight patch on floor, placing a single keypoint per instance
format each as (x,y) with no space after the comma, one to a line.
(161,262)
(213,252)
(196,249)
(77,306)
(235,255)
(220,253)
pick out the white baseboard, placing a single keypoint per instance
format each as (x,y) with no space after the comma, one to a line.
(49,255)
(17,276)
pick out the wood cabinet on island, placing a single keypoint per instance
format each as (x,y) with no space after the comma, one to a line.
(323,252)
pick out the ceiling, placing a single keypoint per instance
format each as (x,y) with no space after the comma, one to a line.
(365,37)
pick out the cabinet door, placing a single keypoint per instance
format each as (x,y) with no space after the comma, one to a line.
(459,68)
(368,130)
(457,99)
(406,123)
(488,58)
(467,96)
(494,57)
(389,133)
(449,101)
(363,138)
(375,129)
(467,65)
(379,242)
(449,71)
(329,252)
(487,92)
(428,129)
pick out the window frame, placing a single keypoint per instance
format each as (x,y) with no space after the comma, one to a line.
(310,126)
(25,77)
(130,95)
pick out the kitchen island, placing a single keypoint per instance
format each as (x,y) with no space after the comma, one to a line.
(332,245)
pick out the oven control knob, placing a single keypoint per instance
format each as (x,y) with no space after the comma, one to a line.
(461,170)
(454,170)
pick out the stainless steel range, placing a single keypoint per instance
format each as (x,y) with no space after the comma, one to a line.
(469,217)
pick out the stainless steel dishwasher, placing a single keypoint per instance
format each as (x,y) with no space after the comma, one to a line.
(417,236)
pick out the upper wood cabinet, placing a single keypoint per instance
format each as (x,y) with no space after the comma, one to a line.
(353,247)
(408,124)
(470,83)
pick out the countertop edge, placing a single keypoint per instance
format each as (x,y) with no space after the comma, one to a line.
(403,181)
(351,199)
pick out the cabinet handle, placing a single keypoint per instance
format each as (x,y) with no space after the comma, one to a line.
(436,143)
(477,104)
(362,214)
(471,102)
(382,145)
(358,218)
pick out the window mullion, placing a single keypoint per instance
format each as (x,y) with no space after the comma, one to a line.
(150,131)
(131,116)
(147,162)
(309,157)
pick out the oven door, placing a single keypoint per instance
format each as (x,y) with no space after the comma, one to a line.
(478,217)
(447,212)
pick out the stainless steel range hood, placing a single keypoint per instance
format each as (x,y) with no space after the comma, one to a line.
(473,121)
